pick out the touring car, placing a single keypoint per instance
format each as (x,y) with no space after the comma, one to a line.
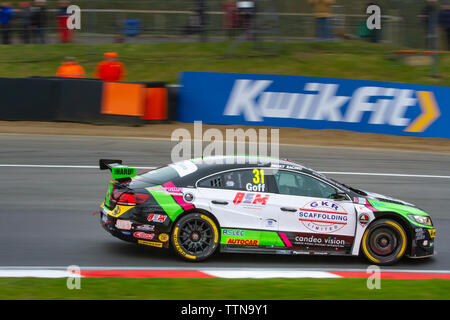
(259,205)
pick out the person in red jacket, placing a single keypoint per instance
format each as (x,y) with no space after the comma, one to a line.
(65,35)
(110,69)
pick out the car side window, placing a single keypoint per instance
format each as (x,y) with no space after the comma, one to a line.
(253,180)
(297,184)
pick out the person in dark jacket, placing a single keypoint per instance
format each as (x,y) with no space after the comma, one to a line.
(6,16)
(39,21)
(427,20)
(25,21)
(444,22)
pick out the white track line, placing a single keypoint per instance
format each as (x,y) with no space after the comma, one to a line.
(323,172)
(217,269)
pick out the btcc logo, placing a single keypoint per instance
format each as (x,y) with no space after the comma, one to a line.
(387,106)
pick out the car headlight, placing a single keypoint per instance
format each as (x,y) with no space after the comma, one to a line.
(425,220)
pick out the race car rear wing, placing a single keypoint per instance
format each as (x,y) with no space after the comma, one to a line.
(118,170)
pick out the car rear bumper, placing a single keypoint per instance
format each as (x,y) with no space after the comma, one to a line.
(133,232)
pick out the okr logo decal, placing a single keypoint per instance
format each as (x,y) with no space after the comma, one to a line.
(323,216)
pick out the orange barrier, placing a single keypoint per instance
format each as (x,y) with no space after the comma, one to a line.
(126,99)
(155,104)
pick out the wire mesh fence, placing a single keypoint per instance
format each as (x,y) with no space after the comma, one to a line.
(191,20)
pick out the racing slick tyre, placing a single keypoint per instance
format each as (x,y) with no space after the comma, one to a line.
(195,236)
(384,242)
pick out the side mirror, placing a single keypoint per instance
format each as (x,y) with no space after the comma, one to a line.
(340,196)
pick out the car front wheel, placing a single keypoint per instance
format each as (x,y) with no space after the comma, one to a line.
(384,242)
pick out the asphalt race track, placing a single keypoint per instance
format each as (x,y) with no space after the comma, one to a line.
(46,212)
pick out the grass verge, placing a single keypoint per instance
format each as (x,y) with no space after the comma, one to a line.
(219,289)
(163,61)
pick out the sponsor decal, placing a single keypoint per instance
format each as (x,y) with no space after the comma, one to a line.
(233,232)
(123,224)
(320,101)
(123,172)
(163,237)
(188,197)
(184,168)
(151,243)
(245,242)
(359,200)
(145,227)
(323,216)
(157,217)
(166,190)
(255,187)
(270,223)
(286,166)
(363,219)
(432,233)
(319,241)
(143,235)
(420,234)
(250,198)
(125,233)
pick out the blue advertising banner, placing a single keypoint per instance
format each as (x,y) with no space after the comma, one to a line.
(315,103)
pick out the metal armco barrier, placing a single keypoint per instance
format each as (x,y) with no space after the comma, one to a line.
(315,103)
(82,100)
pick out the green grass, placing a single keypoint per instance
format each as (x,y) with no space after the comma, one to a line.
(193,289)
(163,61)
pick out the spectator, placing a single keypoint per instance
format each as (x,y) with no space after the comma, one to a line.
(201,12)
(427,21)
(444,22)
(247,13)
(230,17)
(110,69)
(70,69)
(39,21)
(6,15)
(25,21)
(65,34)
(322,11)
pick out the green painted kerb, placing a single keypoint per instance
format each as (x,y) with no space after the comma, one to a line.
(266,238)
(401,209)
(165,201)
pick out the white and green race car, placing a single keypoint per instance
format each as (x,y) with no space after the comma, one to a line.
(259,205)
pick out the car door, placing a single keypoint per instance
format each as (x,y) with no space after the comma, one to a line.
(241,198)
(310,216)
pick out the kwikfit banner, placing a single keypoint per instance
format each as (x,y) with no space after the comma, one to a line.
(315,103)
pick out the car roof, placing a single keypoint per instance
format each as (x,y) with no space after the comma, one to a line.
(223,162)
(209,165)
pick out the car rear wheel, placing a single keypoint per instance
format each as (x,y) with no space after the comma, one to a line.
(384,242)
(195,236)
